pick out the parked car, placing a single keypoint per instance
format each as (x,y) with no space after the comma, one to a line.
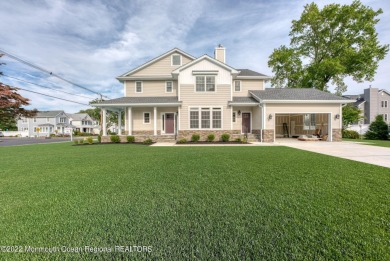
(1,134)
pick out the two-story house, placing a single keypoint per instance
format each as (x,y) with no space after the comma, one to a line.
(45,123)
(82,122)
(176,95)
(373,102)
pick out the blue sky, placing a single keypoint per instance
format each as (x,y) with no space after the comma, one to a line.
(92,42)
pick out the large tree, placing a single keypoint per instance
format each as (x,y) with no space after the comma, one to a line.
(351,114)
(328,45)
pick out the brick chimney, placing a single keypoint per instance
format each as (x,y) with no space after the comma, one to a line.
(220,53)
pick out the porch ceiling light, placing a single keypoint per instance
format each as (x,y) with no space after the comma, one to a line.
(337,116)
(270,117)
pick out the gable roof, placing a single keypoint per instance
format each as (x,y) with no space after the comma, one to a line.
(48,114)
(249,74)
(291,95)
(79,116)
(155,60)
(205,57)
(385,91)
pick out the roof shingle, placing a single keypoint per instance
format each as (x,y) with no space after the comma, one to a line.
(300,94)
(140,100)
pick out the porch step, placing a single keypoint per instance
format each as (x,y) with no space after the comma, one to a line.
(253,137)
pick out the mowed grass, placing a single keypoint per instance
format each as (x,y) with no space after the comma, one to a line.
(205,203)
(380,143)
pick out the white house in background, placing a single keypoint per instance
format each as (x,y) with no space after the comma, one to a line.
(48,122)
(82,122)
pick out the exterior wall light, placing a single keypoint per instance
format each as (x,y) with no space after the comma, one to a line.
(270,117)
(239,112)
(337,116)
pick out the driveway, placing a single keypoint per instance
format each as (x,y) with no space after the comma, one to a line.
(348,150)
(6,141)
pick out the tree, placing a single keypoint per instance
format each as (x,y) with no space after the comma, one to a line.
(351,114)
(328,45)
(95,113)
(378,129)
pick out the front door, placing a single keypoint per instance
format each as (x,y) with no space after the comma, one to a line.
(169,123)
(246,122)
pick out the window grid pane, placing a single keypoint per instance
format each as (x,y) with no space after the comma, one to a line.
(176,60)
(138,86)
(194,119)
(210,83)
(146,117)
(217,119)
(237,86)
(200,84)
(205,119)
(169,86)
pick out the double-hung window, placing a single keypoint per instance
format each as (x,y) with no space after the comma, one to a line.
(309,122)
(234,116)
(205,118)
(384,104)
(237,86)
(138,86)
(205,83)
(146,117)
(62,120)
(168,87)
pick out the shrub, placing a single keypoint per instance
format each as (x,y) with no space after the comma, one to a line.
(210,137)
(238,140)
(182,141)
(351,134)
(225,137)
(130,139)
(195,138)
(378,129)
(76,142)
(52,135)
(81,141)
(147,142)
(99,139)
(90,140)
(115,139)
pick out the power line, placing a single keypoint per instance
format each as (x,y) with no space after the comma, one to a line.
(52,96)
(46,71)
(21,80)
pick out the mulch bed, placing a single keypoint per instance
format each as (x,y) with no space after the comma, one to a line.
(109,143)
(213,142)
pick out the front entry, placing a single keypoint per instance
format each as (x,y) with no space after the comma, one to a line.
(246,122)
(169,123)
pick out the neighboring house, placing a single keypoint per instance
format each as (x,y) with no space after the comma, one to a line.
(82,122)
(372,102)
(176,95)
(48,122)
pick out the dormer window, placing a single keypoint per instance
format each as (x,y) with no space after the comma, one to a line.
(176,59)
(205,83)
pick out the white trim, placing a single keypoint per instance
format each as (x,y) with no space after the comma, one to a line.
(385,102)
(146,77)
(119,123)
(138,104)
(104,115)
(124,89)
(143,117)
(244,104)
(250,132)
(254,77)
(155,121)
(235,121)
(166,86)
(234,85)
(178,118)
(179,57)
(200,117)
(206,57)
(205,72)
(130,119)
(205,84)
(135,87)
(340,119)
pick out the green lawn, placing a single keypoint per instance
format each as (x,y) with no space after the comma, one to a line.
(381,143)
(206,203)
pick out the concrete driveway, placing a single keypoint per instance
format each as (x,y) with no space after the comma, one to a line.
(6,141)
(348,150)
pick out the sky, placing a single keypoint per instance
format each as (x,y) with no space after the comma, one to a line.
(90,43)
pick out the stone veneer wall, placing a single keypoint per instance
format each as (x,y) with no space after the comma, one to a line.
(141,138)
(336,135)
(268,135)
(187,134)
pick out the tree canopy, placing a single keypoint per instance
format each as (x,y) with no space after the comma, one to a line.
(378,129)
(351,114)
(328,45)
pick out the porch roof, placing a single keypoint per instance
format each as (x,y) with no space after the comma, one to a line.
(297,95)
(140,101)
(243,101)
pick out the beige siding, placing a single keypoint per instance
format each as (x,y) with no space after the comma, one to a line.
(190,98)
(223,76)
(247,85)
(302,108)
(255,117)
(138,118)
(150,89)
(161,67)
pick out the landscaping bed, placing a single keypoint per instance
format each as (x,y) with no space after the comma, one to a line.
(212,142)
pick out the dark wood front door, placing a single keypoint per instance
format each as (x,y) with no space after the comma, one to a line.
(246,122)
(169,123)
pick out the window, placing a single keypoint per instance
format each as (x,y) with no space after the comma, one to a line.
(205,118)
(26,129)
(168,86)
(205,83)
(237,86)
(35,119)
(146,117)
(176,59)
(309,122)
(24,120)
(385,117)
(138,86)
(384,104)
(62,120)
(234,117)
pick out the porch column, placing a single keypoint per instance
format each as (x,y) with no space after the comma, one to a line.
(104,127)
(155,121)
(119,122)
(130,118)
